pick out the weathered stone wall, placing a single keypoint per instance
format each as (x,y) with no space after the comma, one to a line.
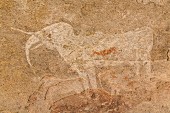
(84,56)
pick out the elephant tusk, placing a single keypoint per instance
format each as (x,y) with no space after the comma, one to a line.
(31,41)
(28,33)
(37,46)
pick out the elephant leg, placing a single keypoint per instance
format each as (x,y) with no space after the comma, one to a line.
(82,74)
(137,62)
(91,77)
(148,64)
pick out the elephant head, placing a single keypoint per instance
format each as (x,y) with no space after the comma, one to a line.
(51,36)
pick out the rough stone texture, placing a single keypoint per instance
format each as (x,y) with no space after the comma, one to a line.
(84,56)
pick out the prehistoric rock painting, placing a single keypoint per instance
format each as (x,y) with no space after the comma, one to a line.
(50,91)
(84,56)
(53,97)
(84,53)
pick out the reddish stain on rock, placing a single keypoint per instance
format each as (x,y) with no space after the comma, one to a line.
(105,52)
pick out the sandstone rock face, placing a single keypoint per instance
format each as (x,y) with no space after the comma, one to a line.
(89,56)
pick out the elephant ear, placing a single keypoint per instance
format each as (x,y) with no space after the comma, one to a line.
(30,42)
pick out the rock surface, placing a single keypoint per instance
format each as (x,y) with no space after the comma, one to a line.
(88,56)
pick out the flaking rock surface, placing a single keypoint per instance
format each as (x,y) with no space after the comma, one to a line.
(84,56)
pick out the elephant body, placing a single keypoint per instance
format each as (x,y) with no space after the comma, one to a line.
(83,53)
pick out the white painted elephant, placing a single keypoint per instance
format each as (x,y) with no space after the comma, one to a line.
(83,53)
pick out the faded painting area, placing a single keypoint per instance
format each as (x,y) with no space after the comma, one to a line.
(84,56)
